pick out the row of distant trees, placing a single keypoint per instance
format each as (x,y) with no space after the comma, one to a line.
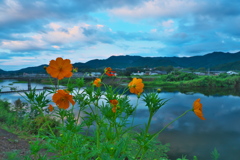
(168,69)
(127,71)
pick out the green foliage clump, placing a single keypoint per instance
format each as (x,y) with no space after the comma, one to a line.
(180,76)
(215,154)
(180,80)
(41,124)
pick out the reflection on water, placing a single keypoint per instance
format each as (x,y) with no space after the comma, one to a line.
(11,97)
(191,135)
(221,91)
(6,84)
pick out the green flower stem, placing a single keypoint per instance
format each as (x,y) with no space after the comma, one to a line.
(50,129)
(58,83)
(169,125)
(50,79)
(91,109)
(88,128)
(78,117)
(68,80)
(133,117)
(149,122)
(98,124)
(98,136)
(145,134)
(102,75)
(125,91)
(156,134)
(105,86)
(115,125)
(134,113)
(62,114)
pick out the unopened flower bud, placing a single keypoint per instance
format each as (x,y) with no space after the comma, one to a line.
(138,95)
(75,69)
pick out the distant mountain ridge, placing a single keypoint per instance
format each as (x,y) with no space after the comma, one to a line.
(211,60)
(215,60)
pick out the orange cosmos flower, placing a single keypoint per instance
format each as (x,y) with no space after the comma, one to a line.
(108,71)
(60,68)
(50,108)
(97,82)
(136,86)
(197,109)
(62,99)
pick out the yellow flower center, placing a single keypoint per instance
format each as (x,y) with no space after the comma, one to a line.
(133,86)
(61,69)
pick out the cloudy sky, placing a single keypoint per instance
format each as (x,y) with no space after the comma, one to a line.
(32,32)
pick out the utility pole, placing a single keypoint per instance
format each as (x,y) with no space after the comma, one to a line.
(29,84)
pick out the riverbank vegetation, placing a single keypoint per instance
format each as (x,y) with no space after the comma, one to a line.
(181,79)
(189,83)
(172,80)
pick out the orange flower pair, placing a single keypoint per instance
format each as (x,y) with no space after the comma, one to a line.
(60,68)
(197,109)
(114,102)
(136,86)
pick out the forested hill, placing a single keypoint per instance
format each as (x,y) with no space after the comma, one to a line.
(211,60)
(2,71)
(214,61)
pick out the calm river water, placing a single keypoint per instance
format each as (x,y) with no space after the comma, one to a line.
(189,135)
